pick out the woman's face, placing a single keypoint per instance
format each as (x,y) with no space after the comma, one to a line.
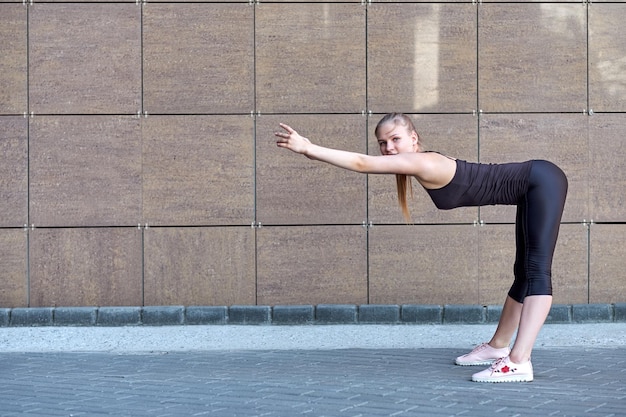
(394,138)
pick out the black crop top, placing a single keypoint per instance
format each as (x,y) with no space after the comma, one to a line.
(476,184)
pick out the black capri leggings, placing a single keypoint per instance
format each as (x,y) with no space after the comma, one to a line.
(537,224)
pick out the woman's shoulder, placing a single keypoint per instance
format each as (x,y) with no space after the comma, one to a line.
(441,154)
(438,169)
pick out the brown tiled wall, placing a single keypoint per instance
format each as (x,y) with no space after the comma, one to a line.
(138,164)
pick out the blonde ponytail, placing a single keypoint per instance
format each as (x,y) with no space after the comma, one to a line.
(405,187)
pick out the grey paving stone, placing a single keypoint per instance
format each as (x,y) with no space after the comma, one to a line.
(206,315)
(119,316)
(293,314)
(468,314)
(40,316)
(163,315)
(579,382)
(336,313)
(373,313)
(249,314)
(422,314)
(75,316)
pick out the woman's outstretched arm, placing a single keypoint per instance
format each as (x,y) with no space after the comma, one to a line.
(408,163)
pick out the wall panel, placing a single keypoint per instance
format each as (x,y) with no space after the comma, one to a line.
(13,69)
(607,263)
(435,264)
(95,1)
(85,267)
(314,1)
(539,1)
(198,170)
(13,171)
(310,58)
(85,171)
(427,63)
(607,168)
(14,268)
(607,62)
(496,257)
(312,265)
(532,57)
(570,267)
(85,58)
(294,190)
(246,2)
(198,58)
(199,266)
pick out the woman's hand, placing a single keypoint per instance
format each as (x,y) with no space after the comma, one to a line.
(291,140)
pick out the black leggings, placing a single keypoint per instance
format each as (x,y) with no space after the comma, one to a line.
(536,230)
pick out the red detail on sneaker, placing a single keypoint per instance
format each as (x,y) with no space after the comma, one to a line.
(505,369)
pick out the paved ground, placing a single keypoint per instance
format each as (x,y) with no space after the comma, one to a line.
(580,370)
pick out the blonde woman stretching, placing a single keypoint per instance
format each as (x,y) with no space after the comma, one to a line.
(538,189)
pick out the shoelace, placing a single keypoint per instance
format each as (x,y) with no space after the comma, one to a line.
(478,348)
(496,364)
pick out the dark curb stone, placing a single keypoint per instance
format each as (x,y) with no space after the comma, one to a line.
(422,314)
(39,316)
(493,314)
(463,314)
(5,316)
(336,313)
(206,315)
(119,316)
(559,313)
(384,314)
(163,315)
(619,311)
(249,314)
(295,314)
(304,314)
(75,316)
(592,313)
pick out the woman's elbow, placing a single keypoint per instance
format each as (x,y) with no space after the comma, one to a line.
(361,165)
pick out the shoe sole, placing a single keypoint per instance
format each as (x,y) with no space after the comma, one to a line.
(518,378)
(484,363)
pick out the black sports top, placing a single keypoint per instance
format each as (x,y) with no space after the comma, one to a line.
(476,184)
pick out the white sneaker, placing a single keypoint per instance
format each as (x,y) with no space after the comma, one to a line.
(482,354)
(503,370)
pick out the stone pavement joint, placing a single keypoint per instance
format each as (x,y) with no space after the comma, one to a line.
(294,315)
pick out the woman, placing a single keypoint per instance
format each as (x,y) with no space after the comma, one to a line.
(538,188)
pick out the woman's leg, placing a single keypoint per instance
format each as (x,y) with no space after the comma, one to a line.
(542,211)
(539,218)
(508,323)
(512,309)
(529,316)
(534,313)
(517,366)
(498,346)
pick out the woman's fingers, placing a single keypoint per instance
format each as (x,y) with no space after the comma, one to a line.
(287,135)
(290,139)
(287,128)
